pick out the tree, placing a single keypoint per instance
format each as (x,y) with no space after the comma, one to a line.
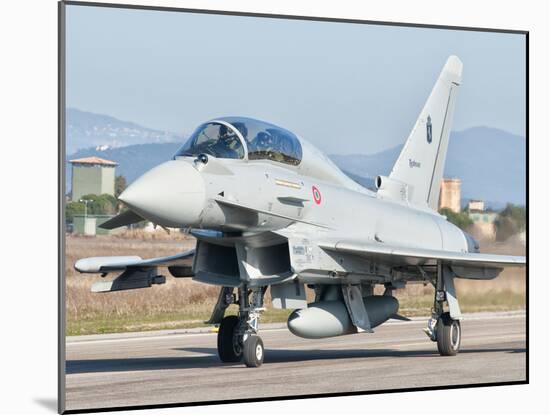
(517,213)
(120,185)
(101,204)
(511,221)
(461,219)
(97,205)
(72,209)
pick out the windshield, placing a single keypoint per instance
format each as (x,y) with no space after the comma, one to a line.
(267,141)
(264,141)
(215,139)
(275,144)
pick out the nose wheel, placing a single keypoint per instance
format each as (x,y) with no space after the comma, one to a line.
(237,335)
(253,353)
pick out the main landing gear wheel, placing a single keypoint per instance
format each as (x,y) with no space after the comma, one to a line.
(253,352)
(448,335)
(442,328)
(228,348)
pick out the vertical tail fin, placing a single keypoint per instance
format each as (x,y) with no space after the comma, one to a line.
(422,160)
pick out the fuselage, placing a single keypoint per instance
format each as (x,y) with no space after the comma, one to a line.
(201,189)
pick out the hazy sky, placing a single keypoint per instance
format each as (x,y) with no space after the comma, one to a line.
(348,88)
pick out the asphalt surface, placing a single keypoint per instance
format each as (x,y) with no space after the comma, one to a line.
(178,367)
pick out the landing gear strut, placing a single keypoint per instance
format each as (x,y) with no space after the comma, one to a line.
(237,335)
(442,328)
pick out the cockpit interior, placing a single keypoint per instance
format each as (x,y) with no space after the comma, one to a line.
(243,138)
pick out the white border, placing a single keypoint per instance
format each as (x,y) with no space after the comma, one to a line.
(465,13)
(28,71)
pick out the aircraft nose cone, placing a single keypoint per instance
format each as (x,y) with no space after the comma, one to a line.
(171,194)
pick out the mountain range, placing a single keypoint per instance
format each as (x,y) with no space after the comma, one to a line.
(87,129)
(490,162)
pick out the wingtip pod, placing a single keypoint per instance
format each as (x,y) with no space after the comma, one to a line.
(95,264)
(85,265)
(453,69)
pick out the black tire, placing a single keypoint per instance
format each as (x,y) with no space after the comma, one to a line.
(448,334)
(227,350)
(253,352)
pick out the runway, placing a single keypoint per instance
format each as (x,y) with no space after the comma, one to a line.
(175,367)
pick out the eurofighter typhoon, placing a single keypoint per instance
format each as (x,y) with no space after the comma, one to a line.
(268,209)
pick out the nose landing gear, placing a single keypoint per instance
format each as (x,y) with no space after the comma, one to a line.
(237,335)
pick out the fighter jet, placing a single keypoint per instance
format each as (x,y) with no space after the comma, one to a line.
(269,210)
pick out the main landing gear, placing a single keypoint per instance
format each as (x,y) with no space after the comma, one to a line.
(237,335)
(442,327)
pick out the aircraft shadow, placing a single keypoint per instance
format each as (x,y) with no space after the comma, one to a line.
(289,355)
(272,356)
(140,363)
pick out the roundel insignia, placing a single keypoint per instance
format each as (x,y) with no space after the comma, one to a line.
(316,195)
(429,129)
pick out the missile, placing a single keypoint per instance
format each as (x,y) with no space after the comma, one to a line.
(331,318)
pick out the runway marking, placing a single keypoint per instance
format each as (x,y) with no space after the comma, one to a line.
(163,337)
(377,358)
(187,369)
(348,345)
(77,341)
(404,343)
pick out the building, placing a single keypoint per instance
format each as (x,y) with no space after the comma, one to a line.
(92,175)
(449,194)
(484,221)
(483,217)
(89,225)
(476,206)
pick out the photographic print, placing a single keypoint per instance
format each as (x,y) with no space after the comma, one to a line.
(274,207)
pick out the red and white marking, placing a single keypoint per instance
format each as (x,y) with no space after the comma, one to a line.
(316,195)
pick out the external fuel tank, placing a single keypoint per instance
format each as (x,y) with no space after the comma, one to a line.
(331,318)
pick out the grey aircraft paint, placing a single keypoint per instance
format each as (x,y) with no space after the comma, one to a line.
(269,209)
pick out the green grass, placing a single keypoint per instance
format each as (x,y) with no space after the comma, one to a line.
(196,316)
(98,324)
(471,303)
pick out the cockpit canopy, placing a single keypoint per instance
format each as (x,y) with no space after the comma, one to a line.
(239,138)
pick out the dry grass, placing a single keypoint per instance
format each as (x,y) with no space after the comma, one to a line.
(178,299)
(184,303)
(506,292)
